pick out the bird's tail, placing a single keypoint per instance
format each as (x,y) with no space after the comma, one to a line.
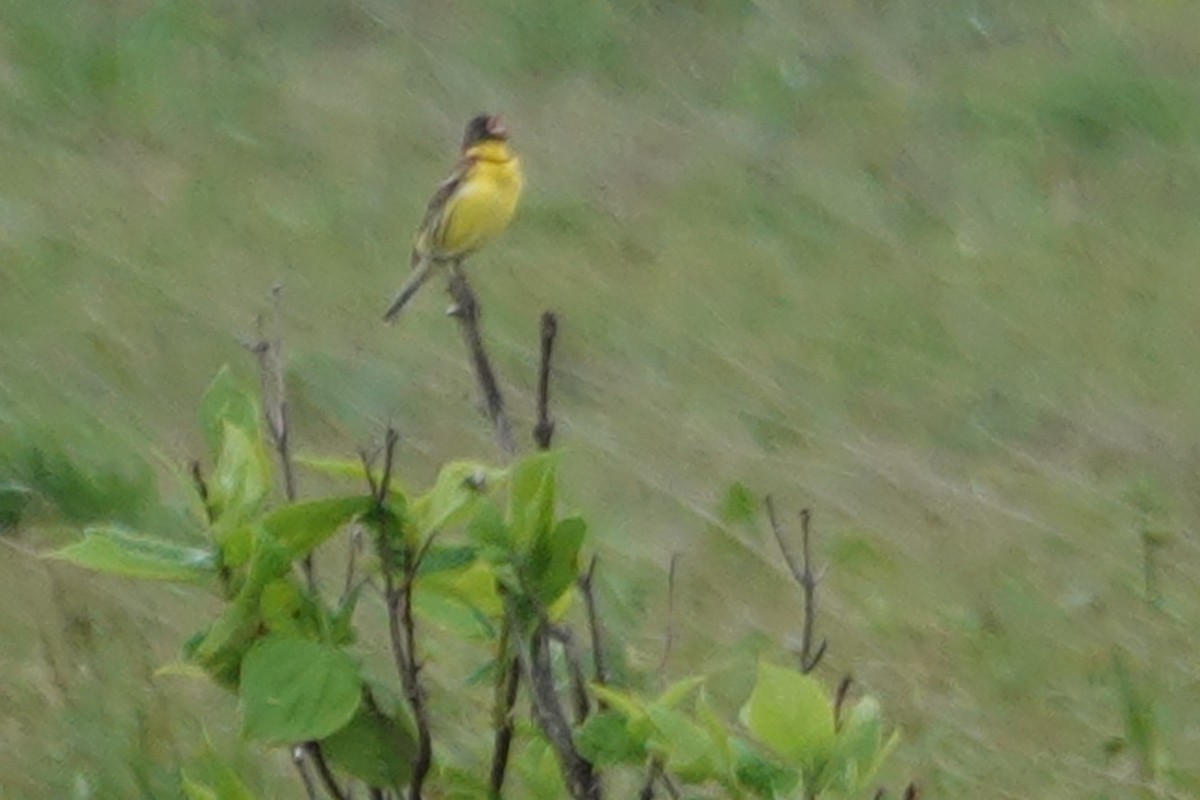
(422,269)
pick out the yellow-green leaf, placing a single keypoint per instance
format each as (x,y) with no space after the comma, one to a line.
(120,552)
(791,713)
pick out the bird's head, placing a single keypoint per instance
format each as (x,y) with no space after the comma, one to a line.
(484,128)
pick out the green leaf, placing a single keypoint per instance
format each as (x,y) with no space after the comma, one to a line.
(196,791)
(790,713)
(606,741)
(554,560)
(302,527)
(858,749)
(531,496)
(689,751)
(739,507)
(459,487)
(226,402)
(120,552)
(294,690)
(454,614)
(762,777)
(490,533)
(677,692)
(625,704)
(242,478)
(446,559)
(13,501)
(351,469)
(374,748)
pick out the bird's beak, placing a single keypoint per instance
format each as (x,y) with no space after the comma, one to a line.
(496,127)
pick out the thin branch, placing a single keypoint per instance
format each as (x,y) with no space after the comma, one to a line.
(466,311)
(298,759)
(670,635)
(910,792)
(414,690)
(507,685)
(201,490)
(390,438)
(313,751)
(543,432)
(803,574)
(269,350)
(582,705)
(599,670)
(839,700)
(581,779)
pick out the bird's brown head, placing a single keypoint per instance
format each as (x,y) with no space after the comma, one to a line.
(484,128)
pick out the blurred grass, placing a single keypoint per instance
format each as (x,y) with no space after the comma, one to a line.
(926,266)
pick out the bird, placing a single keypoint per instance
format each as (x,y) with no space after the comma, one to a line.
(469,209)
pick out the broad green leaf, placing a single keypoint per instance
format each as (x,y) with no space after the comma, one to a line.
(373,747)
(294,690)
(446,559)
(718,730)
(474,586)
(490,533)
(531,496)
(553,562)
(459,487)
(762,777)
(606,741)
(13,501)
(120,552)
(242,478)
(454,615)
(220,649)
(790,713)
(302,527)
(225,401)
(690,752)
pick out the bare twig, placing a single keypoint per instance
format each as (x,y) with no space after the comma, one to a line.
(670,634)
(466,311)
(839,700)
(910,792)
(313,751)
(803,574)
(507,686)
(579,695)
(201,490)
(581,779)
(543,432)
(656,775)
(269,350)
(599,670)
(390,438)
(298,759)
(414,690)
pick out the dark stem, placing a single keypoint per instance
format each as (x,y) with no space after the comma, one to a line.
(839,700)
(413,689)
(201,490)
(313,751)
(803,575)
(466,311)
(269,350)
(599,670)
(298,759)
(582,781)
(543,432)
(670,636)
(579,695)
(507,685)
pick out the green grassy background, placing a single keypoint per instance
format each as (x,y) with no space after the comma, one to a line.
(929,267)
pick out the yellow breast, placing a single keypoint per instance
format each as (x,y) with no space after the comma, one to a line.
(484,204)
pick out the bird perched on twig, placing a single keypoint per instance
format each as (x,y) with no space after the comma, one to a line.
(469,209)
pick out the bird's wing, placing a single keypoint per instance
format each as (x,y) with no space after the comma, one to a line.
(437,213)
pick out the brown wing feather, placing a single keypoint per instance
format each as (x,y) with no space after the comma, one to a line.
(435,218)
